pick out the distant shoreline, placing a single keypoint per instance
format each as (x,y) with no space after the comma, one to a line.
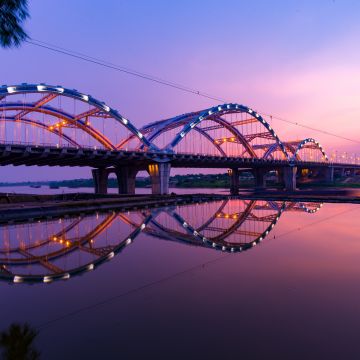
(185,181)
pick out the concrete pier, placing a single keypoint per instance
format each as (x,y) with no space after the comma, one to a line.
(100,176)
(126,176)
(234,181)
(259,175)
(160,176)
(290,178)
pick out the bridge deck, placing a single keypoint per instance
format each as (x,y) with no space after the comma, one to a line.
(16,154)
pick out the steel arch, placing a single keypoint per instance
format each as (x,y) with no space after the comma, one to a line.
(303,143)
(74,94)
(42,126)
(189,121)
(224,109)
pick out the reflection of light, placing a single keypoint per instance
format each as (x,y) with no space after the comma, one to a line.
(84,97)
(41,87)
(90,267)
(11,89)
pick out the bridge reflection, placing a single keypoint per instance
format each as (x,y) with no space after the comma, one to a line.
(62,248)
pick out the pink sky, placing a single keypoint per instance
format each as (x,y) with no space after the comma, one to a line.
(298,60)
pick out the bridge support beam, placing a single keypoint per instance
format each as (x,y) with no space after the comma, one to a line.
(160,176)
(259,174)
(126,176)
(280,175)
(234,181)
(290,178)
(329,174)
(100,177)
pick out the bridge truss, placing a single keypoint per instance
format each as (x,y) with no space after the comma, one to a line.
(53,115)
(61,248)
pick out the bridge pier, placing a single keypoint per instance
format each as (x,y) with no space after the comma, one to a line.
(126,176)
(160,176)
(280,175)
(328,174)
(100,176)
(290,178)
(259,175)
(234,181)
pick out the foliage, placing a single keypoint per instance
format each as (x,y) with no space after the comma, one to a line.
(17,342)
(12,14)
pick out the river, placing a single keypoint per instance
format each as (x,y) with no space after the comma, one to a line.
(226,279)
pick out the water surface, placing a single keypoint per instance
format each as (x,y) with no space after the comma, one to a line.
(227,279)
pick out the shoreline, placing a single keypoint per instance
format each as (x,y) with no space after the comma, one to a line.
(30,207)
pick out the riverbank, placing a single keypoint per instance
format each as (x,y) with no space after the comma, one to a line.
(189,181)
(17,207)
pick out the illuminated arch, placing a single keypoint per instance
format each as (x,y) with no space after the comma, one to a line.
(304,143)
(190,121)
(50,92)
(83,243)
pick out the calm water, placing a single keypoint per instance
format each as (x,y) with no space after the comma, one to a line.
(61,190)
(241,279)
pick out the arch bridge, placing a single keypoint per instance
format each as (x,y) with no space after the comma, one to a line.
(47,125)
(64,247)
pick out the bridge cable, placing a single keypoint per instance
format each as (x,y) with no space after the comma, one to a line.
(161,81)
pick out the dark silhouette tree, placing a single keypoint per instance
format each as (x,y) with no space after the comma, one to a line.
(17,343)
(12,15)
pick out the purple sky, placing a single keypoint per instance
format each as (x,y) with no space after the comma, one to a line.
(295,59)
